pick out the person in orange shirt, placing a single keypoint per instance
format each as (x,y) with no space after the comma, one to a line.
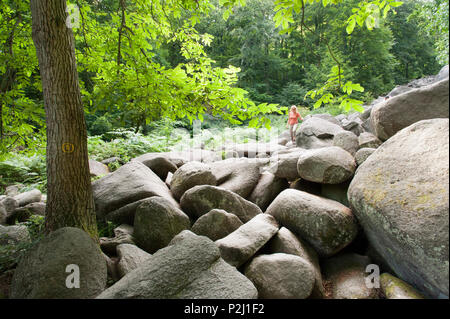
(294,115)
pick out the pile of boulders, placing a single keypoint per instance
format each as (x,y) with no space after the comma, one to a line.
(19,207)
(356,197)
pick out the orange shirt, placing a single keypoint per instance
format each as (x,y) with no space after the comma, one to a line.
(293,117)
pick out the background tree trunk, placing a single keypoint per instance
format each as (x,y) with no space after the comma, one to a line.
(69,198)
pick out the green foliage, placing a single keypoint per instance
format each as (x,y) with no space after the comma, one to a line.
(413,49)
(370,14)
(128,144)
(35,225)
(148,67)
(339,85)
(328,94)
(21,108)
(293,93)
(278,63)
(129,78)
(106,228)
(432,18)
(29,169)
(100,126)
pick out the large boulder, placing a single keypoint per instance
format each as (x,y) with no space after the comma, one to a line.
(347,274)
(353,124)
(281,276)
(239,175)
(156,222)
(330,165)
(15,234)
(363,154)
(316,132)
(189,268)
(132,182)
(199,200)
(347,141)
(251,150)
(180,158)
(189,175)
(216,224)
(367,139)
(400,195)
(324,116)
(22,214)
(268,187)
(122,235)
(97,168)
(284,165)
(239,246)
(286,242)
(367,124)
(10,205)
(400,111)
(325,224)
(160,165)
(28,197)
(130,258)
(124,214)
(44,273)
(418,83)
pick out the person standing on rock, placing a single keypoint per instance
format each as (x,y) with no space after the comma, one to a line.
(294,115)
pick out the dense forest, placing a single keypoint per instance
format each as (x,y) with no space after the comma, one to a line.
(139,63)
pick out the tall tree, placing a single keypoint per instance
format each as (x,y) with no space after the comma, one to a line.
(70,201)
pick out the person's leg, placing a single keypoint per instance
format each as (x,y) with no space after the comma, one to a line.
(291,130)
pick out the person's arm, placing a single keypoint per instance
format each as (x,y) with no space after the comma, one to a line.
(300,116)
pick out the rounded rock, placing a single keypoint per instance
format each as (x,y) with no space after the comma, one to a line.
(281,276)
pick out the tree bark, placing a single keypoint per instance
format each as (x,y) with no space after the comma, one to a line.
(69,197)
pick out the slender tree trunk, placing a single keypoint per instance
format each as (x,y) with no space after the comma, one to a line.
(69,198)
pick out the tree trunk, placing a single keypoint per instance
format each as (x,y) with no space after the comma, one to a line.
(69,197)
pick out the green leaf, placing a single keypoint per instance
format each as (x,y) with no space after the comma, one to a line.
(370,22)
(357,87)
(396,4)
(351,26)
(386,10)
(358,107)
(226,14)
(360,20)
(253,122)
